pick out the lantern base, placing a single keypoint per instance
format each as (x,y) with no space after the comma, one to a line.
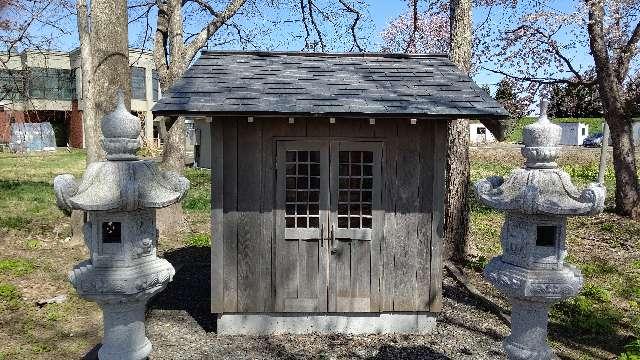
(124,332)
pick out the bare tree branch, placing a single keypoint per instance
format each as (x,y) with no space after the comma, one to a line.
(203,36)
(354,24)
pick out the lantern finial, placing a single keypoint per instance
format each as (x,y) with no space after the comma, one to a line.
(120,132)
(541,141)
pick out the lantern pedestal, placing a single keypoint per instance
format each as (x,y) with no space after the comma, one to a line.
(124,336)
(528,339)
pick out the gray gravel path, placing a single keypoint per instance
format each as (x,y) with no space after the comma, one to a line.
(180,327)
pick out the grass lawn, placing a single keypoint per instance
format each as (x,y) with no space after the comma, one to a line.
(36,252)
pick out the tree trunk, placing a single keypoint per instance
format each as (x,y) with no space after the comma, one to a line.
(456,201)
(91,126)
(110,57)
(174,147)
(624,164)
(609,78)
(456,220)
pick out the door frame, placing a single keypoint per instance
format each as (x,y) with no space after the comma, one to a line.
(282,303)
(327,277)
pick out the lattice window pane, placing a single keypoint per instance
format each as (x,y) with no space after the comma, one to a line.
(302,206)
(355,182)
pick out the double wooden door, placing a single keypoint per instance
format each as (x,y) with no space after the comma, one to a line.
(329,225)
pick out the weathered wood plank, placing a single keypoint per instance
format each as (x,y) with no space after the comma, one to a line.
(308,270)
(352,128)
(361,278)
(423,249)
(217,248)
(375,247)
(230,137)
(388,129)
(250,256)
(267,206)
(285,252)
(437,218)
(407,206)
(342,260)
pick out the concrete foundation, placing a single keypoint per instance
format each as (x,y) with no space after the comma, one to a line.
(335,323)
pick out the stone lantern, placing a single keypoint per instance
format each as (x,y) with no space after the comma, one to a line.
(119,197)
(531,271)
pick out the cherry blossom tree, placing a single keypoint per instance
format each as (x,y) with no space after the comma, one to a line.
(430,36)
(543,44)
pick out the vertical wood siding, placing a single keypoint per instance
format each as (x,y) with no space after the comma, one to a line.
(404,258)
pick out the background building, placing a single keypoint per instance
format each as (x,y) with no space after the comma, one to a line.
(46,86)
(573,133)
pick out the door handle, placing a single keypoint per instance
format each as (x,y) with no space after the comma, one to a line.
(334,247)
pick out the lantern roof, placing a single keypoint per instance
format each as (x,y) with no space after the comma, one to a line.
(540,187)
(121,182)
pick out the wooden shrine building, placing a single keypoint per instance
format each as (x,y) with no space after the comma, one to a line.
(328,183)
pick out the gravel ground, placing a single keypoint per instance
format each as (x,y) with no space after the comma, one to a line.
(185,330)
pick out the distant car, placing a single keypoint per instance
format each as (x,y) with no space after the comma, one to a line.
(594,140)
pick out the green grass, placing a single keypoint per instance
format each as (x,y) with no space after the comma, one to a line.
(16,267)
(9,292)
(198,240)
(198,198)
(591,312)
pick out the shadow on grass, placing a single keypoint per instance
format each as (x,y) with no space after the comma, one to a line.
(190,289)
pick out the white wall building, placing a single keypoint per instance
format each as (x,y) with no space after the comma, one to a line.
(479,134)
(573,133)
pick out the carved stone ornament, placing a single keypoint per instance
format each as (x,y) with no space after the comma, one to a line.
(119,197)
(531,271)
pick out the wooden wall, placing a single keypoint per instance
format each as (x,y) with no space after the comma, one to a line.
(243,197)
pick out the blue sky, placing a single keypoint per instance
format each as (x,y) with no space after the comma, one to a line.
(289,37)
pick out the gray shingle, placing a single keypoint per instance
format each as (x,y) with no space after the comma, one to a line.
(305,83)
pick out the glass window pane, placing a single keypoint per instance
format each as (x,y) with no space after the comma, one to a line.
(367,157)
(314,209)
(303,182)
(367,170)
(355,170)
(291,156)
(291,196)
(366,222)
(314,156)
(291,182)
(303,169)
(291,169)
(343,222)
(356,156)
(343,209)
(301,222)
(314,222)
(314,170)
(315,183)
(303,196)
(303,156)
(314,196)
(367,183)
(290,209)
(366,209)
(301,209)
(366,196)
(290,222)
(344,157)
(354,223)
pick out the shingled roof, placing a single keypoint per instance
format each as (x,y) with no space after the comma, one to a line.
(263,83)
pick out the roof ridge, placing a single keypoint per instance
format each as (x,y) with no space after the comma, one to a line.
(325,54)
